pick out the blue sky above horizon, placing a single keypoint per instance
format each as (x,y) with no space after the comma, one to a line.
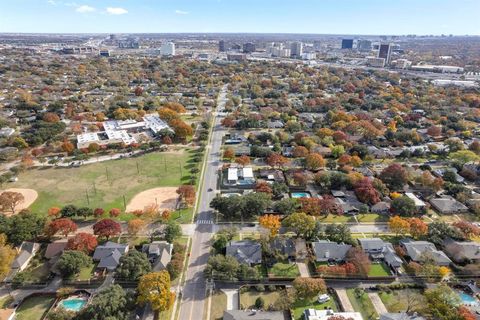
(457,17)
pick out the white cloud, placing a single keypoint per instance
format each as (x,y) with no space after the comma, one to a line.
(85,9)
(116,11)
(181,12)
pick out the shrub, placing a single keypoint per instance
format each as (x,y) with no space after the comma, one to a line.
(259,303)
(260,287)
(272,288)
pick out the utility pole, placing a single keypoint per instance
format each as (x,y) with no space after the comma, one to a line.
(88,199)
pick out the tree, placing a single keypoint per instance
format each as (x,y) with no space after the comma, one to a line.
(110,303)
(442,302)
(394,176)
(54,212)
(270,222)
(276,160)
(398,225)
(68,147)
(338,233)
(262,186)
(167,114)
(259,303)
(82,241)
(418,228)
(243,160)
(134,226)
(434,131)
(9,200)
(286,206)
(181,129)
(308,288)
(107,228)
(50,117)
(7,255)
(64,226)
(403,206)
(467,229)
(300,152)
(154,288)
(172,231)
(68,211)
(466,314)
(229,154)
(114,212)
(279,189)
(464,156)
(301,223)
(366,192)
(98,212)
(175,106)
(359,259)
(60,313)
(437,231)
(132,266)
(314,161)
(71,262)
(23,226)
(187,194)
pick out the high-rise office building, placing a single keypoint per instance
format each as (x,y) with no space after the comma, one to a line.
(317,45)
(296,49)
(347,43)
(385,52)
(167,49)
(248,47)
(364,45)
(221,46)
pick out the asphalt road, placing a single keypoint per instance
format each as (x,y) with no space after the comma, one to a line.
(193,293)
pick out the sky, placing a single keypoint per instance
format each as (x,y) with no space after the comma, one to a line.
(458,17)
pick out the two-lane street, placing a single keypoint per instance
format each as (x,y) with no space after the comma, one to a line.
(193,298)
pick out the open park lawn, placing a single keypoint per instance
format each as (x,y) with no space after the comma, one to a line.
(300,305)
(106,183)
(362,304)
(284,269)
(33,308)
(247,299)
(379,270)
(403,300)
(219,304)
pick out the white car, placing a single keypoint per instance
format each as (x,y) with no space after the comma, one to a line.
(323,298)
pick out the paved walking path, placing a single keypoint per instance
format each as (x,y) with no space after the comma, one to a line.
(303,268)
(344,300)
(377,303)
(232,298)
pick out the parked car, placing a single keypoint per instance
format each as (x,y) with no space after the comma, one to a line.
(323,298)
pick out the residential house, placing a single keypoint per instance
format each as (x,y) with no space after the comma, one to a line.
(253,315)
(379,250)
(245,251)
(55,249)
(159,254)
(401,316)
(462,251)
(448,205)
(240,176)
(108,255)
(271,175)
(419,250)
(327,251)
(348,201)
(314,314)
(419,204)
(284,246)
(382,207)
(441,172)
(27,251)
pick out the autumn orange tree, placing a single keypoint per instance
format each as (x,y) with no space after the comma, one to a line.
(82,241)
(262,186)
(187,194)
(54,212)
(229,154)
(276,160)
(398,225)
(64,226)
(243,160)
(9,200)
(314,161)
(154,288)
(418,228)
(134,226)
(270,222)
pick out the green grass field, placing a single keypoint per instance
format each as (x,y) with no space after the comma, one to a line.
(362,304)
(105,184)
(284,269)
(247,299)
(33,308)
(379,270)
(299,306)
(219,304)
(403,300)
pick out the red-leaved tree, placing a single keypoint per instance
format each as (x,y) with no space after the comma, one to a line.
(107,228)
(82,241)
(64,226)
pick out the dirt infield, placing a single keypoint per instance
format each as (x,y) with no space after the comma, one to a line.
(30,196)
(164,198)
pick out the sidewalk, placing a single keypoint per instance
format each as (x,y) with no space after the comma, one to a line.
(303,268)
(377,303)
(344,300)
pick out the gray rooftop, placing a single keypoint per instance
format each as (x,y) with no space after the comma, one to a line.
(326,250)
(245,251)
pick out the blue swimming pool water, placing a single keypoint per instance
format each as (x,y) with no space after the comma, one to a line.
(468,299)
(74,304)
(300,195)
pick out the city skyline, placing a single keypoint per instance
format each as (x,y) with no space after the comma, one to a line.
(371,17)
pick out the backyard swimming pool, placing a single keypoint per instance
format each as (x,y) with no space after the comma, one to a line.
(300,195)
(468,299)
(73,304)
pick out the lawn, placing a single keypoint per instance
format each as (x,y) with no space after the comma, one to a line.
(402,300)
(5,301)
(86,273)
(300,305)
(107,183)
(362,304)
(369,217)
(219,304)
(247,299)
(284,269)
(379,270)
(33,308)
